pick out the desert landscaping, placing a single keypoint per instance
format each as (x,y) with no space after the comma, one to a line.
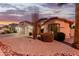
(48,32)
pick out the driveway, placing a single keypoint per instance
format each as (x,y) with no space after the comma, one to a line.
(29,46)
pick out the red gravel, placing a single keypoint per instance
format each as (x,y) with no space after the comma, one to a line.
(23,46)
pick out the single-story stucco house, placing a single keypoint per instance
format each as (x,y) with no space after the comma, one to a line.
(56,24)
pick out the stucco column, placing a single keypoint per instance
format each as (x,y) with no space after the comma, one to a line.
(76,40)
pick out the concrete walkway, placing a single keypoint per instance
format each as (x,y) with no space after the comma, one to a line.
(29,47)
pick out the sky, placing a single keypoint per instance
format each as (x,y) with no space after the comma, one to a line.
(16,12)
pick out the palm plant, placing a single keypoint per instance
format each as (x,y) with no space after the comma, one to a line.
(35,16)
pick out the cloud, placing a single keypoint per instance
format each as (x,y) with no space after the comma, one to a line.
(18,15)
(23,11)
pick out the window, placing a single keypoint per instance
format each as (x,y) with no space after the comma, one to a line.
(55,27)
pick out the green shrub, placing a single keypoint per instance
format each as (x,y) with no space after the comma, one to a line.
(2,33)
(7,32)
(15,31)
(59,36)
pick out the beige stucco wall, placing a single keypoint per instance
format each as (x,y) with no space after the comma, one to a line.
(28,29)
(64,27)
(72,33)
(24,30)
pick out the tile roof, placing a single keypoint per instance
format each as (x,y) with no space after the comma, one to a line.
(49,19)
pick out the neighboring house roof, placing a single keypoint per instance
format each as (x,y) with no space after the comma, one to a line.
(22,22)
(13,24)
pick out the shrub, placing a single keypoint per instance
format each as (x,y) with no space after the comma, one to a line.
(2,33)
(47,37)
(7,32)
(30,34)
(59,36)
(15,32)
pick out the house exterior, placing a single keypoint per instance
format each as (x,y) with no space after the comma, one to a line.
(56,24)
(5,27)
(1,30)
(24,28)
(11,28)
